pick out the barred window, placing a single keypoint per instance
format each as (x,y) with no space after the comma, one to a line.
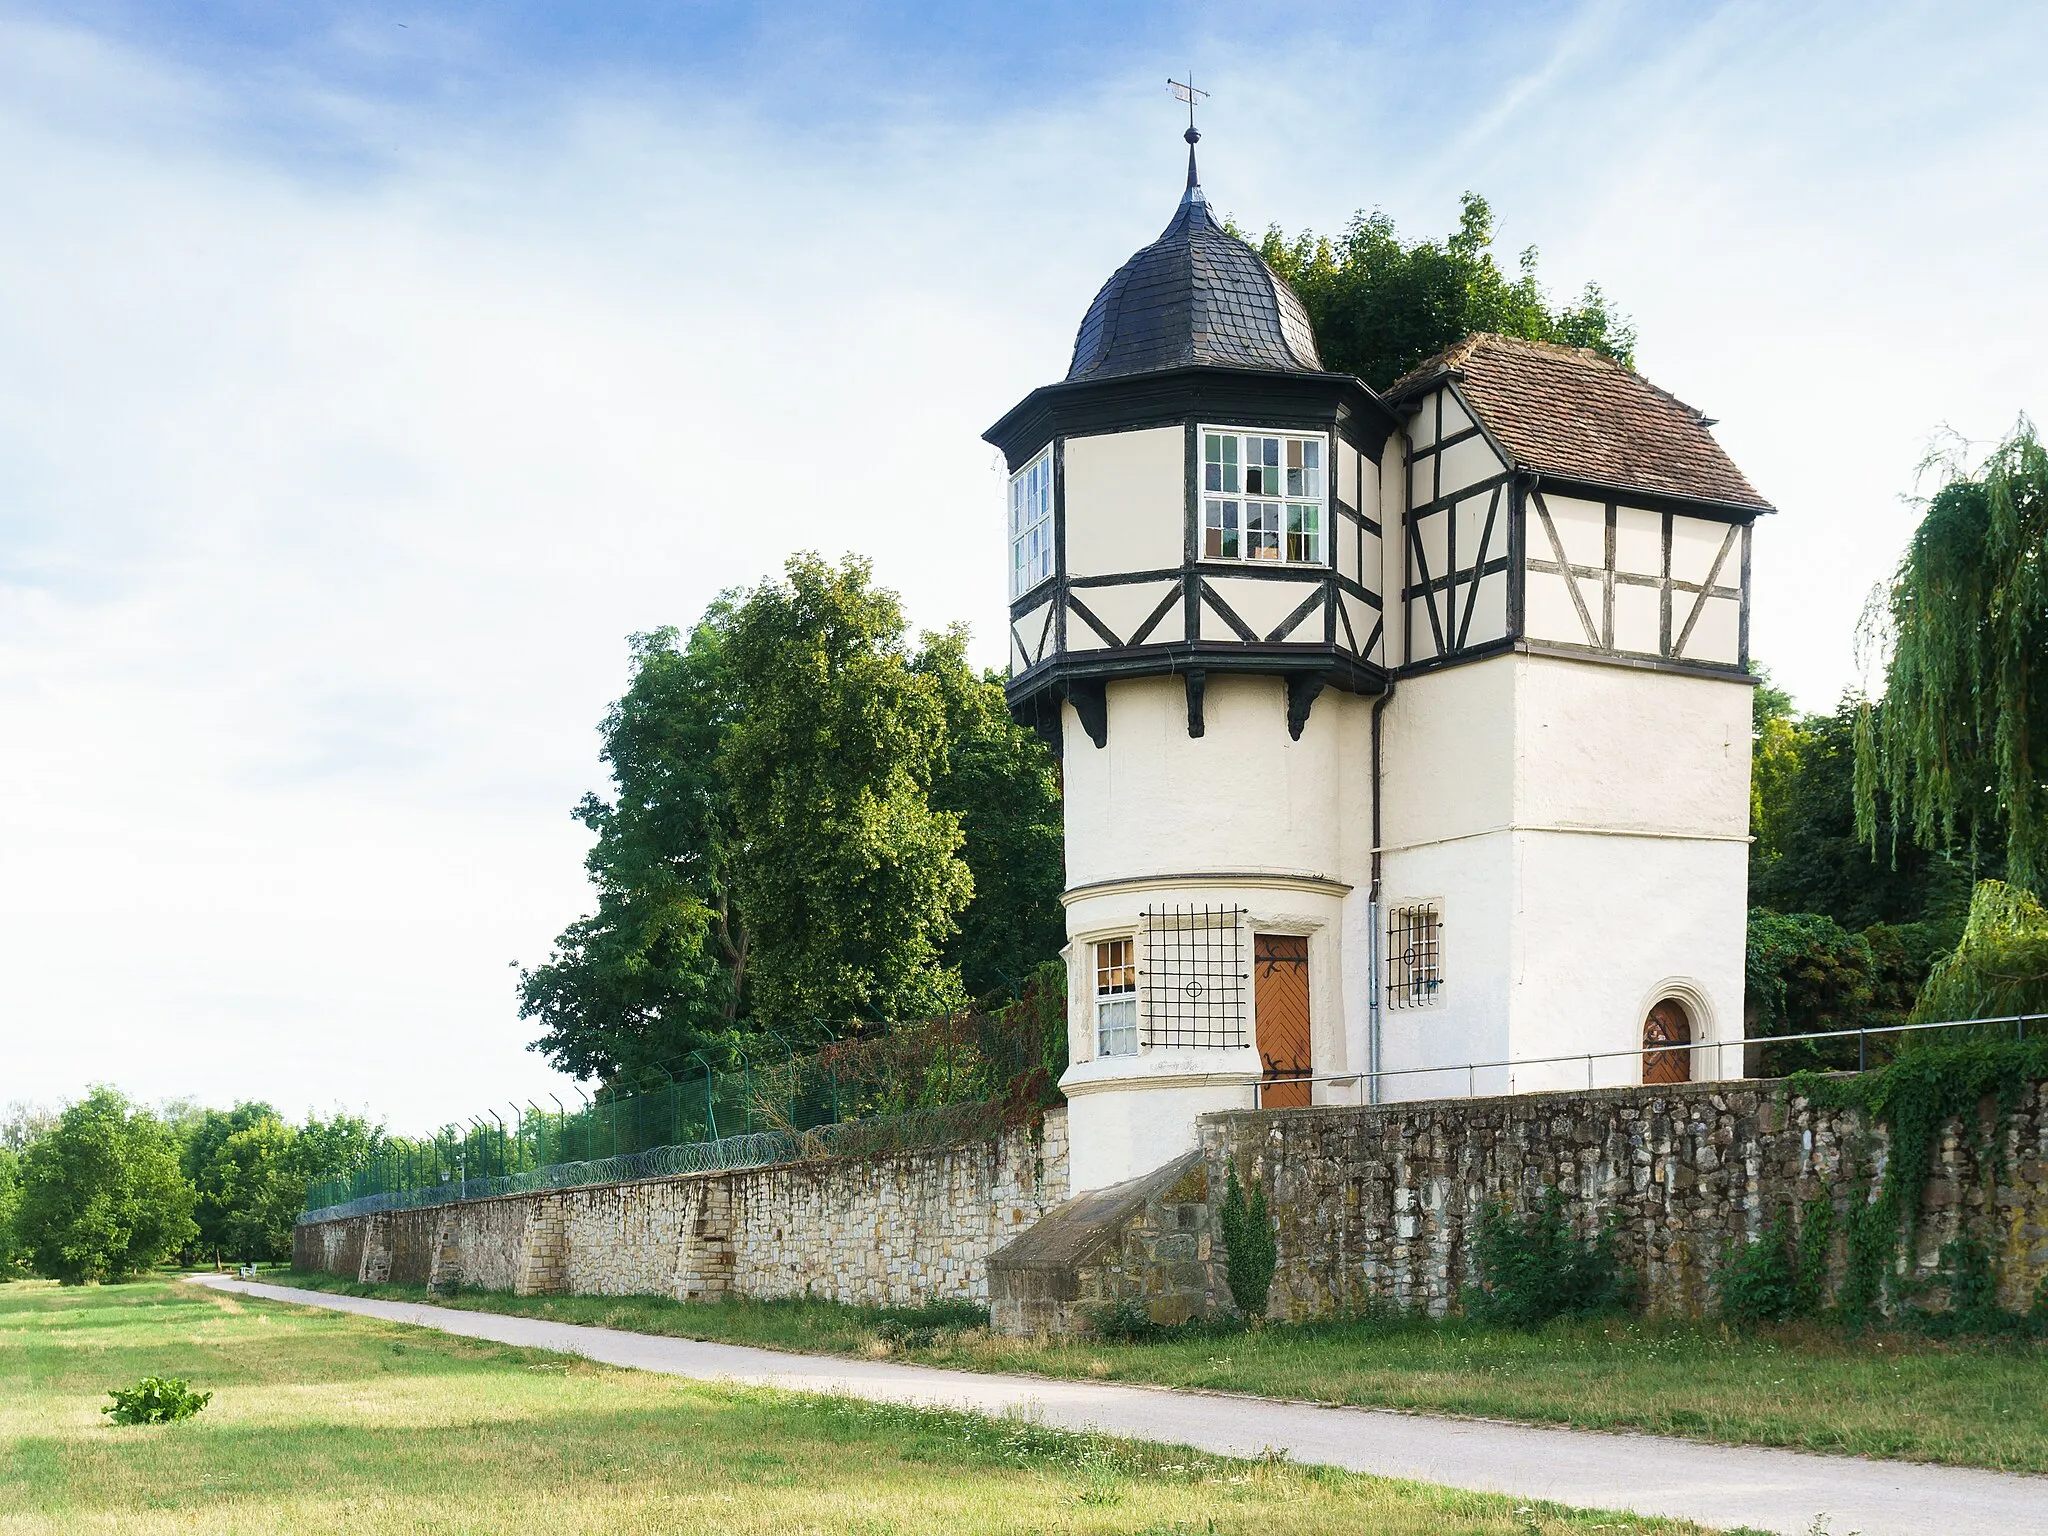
(1195,977)
(1116,998)
(1415,955)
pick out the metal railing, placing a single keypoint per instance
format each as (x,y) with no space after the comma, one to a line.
(942,1126)
(702,1120)
(1368,1083)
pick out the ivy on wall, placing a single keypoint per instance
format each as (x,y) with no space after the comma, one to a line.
(1913,1098)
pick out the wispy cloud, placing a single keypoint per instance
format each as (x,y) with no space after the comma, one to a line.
(360,392)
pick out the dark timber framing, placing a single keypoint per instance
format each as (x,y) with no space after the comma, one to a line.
(1079,650)
(1315,646)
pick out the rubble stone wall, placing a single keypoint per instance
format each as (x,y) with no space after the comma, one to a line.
(891,1231)
(1378,1206)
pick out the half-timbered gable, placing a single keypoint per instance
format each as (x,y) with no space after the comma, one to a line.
(1615,523)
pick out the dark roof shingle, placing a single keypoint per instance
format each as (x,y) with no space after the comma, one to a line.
(1570,412)
(1196,295)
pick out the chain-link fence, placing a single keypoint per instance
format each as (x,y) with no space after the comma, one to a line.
(946,1079)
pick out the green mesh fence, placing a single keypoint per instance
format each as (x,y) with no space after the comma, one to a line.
(947,1079)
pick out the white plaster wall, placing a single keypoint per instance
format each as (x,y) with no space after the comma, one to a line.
(1119,1133)
(1629,748)
(1243,796)
(1242,816)
(1584,826)
(1448,746)
(1473,879)
(1607,927)
(1126,501)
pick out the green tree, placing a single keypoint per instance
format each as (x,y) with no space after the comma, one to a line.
(809,822)
(337,1146)
(1003,785)
(13,1256)
(102,1193)
(1959,740)
(261,1189)
(201,1135)
(1380,306)
(1999,967)
(851,879)
(661,968)
(1807,856)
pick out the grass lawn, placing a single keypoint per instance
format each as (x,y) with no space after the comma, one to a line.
(325,1422)
(1882,1394)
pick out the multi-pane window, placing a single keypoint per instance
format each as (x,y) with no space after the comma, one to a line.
(1415,955)
(1116,998)
(1031,524)
(1263,497)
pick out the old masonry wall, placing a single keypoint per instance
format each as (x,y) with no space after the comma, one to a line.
(891,1231)
(1379,1207)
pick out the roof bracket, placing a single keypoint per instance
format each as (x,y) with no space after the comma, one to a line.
(1090,698)
(1197,681)
(1302,688)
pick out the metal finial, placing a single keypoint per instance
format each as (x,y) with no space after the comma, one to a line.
(1187,93)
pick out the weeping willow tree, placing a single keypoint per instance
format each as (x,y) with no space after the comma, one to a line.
(1958,741)
(2000,968)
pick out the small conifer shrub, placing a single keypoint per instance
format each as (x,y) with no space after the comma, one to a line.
(1250,1251)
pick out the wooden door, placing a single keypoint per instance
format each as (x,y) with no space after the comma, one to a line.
(1667,1025)
(1280,968)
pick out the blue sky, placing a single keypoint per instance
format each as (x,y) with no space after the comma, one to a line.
(369,373)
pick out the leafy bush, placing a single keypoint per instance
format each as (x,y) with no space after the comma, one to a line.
(155,1400)
(2001,965)
(1778,1276)
(1249,1250)
(1758,1281)
(1533,1268)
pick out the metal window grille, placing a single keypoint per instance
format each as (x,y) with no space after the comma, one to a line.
(1415,956)
(1194,977)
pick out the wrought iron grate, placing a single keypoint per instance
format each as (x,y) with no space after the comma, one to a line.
(1195,975)
(1415,976)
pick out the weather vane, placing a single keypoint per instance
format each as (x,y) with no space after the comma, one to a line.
(1191,96)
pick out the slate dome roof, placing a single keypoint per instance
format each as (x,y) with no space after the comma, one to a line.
(1196,295)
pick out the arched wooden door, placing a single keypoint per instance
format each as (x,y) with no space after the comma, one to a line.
(1280,972)
(1667,1025)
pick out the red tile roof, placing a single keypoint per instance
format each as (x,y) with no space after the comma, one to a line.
(1570,412)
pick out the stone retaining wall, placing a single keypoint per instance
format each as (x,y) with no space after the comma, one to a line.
(1377,1207)
(893,1231)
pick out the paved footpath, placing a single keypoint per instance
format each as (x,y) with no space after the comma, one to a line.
(1717,1485)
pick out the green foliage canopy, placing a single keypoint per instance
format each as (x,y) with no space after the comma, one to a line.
(2000,968)
(852,880)
(1960,738)
(812,823)
(1380,306)
(102,1194)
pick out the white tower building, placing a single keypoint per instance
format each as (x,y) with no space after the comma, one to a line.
(1405,737)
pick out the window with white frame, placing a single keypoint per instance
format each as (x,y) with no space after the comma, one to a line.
(1031,524)
(1415,955)
(1264,496)
(1116,998)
